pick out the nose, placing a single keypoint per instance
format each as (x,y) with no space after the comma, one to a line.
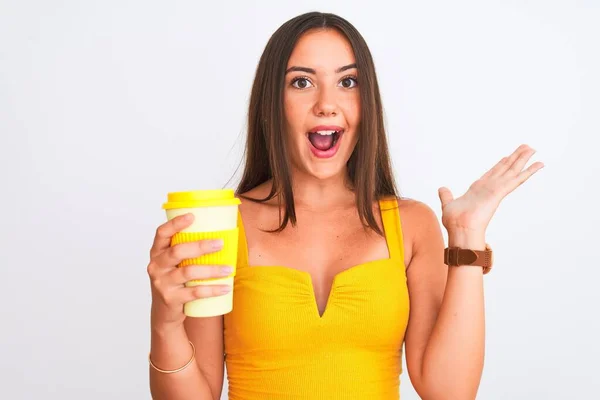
(326,104)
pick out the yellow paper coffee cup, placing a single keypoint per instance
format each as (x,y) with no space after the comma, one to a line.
(215,213)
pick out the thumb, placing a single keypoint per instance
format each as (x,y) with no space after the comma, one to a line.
(445,196)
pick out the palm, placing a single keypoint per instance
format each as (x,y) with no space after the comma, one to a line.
(474,209)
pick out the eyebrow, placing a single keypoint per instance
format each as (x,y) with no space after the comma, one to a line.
(312,71)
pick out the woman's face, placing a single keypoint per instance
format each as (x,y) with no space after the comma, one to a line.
(321,103)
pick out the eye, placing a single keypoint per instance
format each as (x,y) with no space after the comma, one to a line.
(349,82)
(301,82)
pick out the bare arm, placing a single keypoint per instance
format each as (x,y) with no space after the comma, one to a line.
(171,331)
(171,349)
(445,335)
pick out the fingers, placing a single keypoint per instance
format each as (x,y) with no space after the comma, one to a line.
(175,297)
(445,196)
(169,292)
(511,163)
(507,162)
(170,288)
(202,291)
(512,168)
(521,160)
(500,166)
(170,258)
(164,233)
(180,276)
(524,175)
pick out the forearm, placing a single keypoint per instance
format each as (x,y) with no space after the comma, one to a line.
(170,349)
(453,359)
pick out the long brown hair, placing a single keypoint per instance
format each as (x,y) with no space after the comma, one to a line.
(369,167)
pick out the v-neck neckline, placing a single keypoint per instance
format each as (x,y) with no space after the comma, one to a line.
(392,255)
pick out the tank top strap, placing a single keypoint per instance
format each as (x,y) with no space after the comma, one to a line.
(242,258)
(392,226)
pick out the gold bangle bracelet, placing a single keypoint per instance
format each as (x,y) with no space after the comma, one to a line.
(165,371)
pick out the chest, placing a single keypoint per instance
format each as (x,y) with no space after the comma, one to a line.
(274,308)
(321,245)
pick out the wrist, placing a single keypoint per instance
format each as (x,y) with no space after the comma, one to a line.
(165,330)
(170,348)
(466,239)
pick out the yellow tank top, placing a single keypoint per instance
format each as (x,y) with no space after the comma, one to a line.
(277,346)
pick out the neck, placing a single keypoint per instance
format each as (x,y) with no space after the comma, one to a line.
(317,195)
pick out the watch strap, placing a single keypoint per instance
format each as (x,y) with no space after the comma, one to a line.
(456,256)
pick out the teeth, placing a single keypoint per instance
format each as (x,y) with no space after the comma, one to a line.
(325,133)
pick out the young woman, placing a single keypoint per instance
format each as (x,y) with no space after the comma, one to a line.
(336,271)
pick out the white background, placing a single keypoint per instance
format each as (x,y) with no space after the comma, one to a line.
(107,106)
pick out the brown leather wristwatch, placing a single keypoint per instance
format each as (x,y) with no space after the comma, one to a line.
(455,256)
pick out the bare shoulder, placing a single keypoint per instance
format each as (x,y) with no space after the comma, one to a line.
(253,212)
(257,193)
(416,213)
(419,224)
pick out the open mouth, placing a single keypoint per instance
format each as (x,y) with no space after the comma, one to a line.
(324,140)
